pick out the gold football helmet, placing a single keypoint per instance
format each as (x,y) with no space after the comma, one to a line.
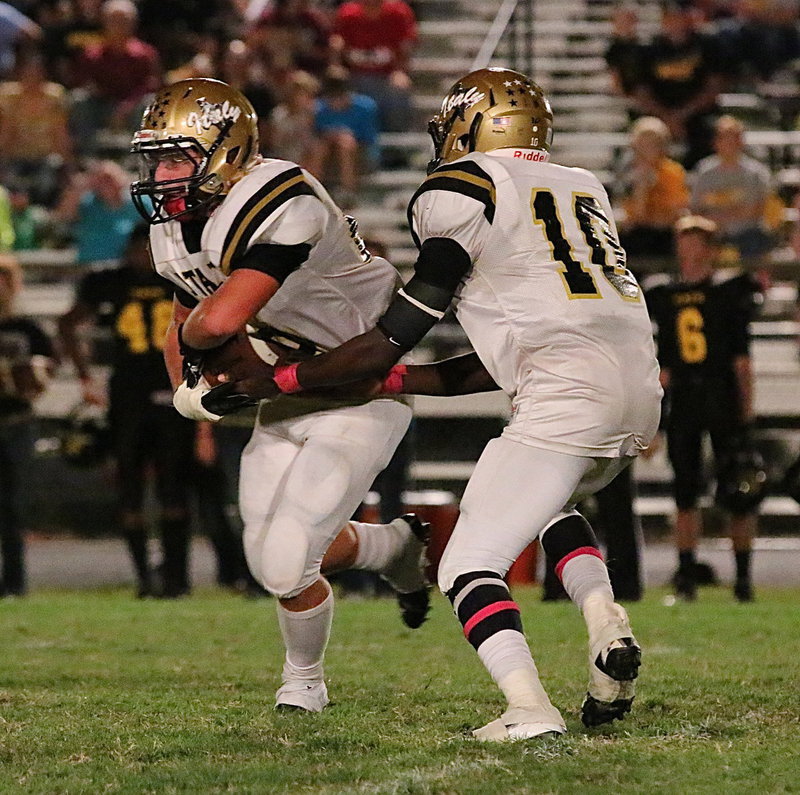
(201,120)
(490,109)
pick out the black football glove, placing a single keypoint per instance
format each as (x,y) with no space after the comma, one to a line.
(222,400)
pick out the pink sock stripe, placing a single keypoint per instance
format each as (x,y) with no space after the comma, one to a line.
(286,378)
(487,611)
(574,554)
(393,383)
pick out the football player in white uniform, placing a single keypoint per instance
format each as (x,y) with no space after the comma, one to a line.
(528,252)
(258,242)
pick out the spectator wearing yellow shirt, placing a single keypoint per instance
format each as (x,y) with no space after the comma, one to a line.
(34,138)
(653,192)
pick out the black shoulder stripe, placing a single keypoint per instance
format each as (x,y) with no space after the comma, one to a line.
(467,178)
(258,208)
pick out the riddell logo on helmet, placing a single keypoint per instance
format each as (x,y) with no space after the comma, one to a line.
(528,154)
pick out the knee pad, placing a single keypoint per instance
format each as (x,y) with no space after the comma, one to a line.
(483,605)
(567,538)
(282,566)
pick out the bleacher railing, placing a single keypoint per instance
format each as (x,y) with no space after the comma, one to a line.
(516,18)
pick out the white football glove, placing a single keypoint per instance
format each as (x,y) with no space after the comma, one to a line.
(188,401)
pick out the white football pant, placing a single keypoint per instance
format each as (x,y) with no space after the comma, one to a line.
(302,479)
(516,491)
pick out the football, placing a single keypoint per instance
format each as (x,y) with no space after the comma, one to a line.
(239,356)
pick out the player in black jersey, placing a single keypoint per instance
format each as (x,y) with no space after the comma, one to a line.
(704,351)
(26,362)
(135,304)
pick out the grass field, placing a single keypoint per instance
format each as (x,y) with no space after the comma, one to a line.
(100,693)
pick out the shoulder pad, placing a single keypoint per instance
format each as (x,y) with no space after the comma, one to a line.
(464,176)
(252,200)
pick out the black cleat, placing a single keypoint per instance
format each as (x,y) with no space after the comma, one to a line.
(596,713)
(743,591)
(415,605)
(685,586)
(622,664)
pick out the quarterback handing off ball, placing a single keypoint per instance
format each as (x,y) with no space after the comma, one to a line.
(240,356)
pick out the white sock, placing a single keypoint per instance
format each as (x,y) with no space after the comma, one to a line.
(305,636)
(508,660)
(583,575)
(378,544)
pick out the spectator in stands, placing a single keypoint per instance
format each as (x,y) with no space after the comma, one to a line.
(34,137)
(115,77)
(290,129)
(134,303)
(292,34)
(7,235)
(68,28)
(97,208)
(241,69)
(201,60)
(15,29)
(31,223)
(682,77)
(374,39)
(174,26)
(624,53)
(653,192)
(704,352)
(732,190)
(766,34)
(26,361)
(346,126)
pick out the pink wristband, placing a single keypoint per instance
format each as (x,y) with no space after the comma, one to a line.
(286,378)
(393,383)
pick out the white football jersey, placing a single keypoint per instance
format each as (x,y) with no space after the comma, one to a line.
(338,292)
(548,305)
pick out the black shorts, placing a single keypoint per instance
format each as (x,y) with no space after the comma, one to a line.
(695,410)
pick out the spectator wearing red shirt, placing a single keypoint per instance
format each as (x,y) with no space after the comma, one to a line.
(114,77)
(374,38)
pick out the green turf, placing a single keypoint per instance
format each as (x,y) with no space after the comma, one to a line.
(101,693)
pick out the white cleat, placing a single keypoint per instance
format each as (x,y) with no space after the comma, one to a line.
(302,694)
(522,724)
(614,660)
(406,573)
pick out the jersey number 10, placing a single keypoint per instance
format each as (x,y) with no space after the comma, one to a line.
(600,238)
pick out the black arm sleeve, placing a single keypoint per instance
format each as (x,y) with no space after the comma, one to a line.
(417,307)
(272,259)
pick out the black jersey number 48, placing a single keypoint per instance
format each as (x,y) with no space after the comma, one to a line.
(579,282)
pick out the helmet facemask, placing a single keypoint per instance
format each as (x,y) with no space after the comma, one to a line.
(162,200)
(206,122)
(439,132)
